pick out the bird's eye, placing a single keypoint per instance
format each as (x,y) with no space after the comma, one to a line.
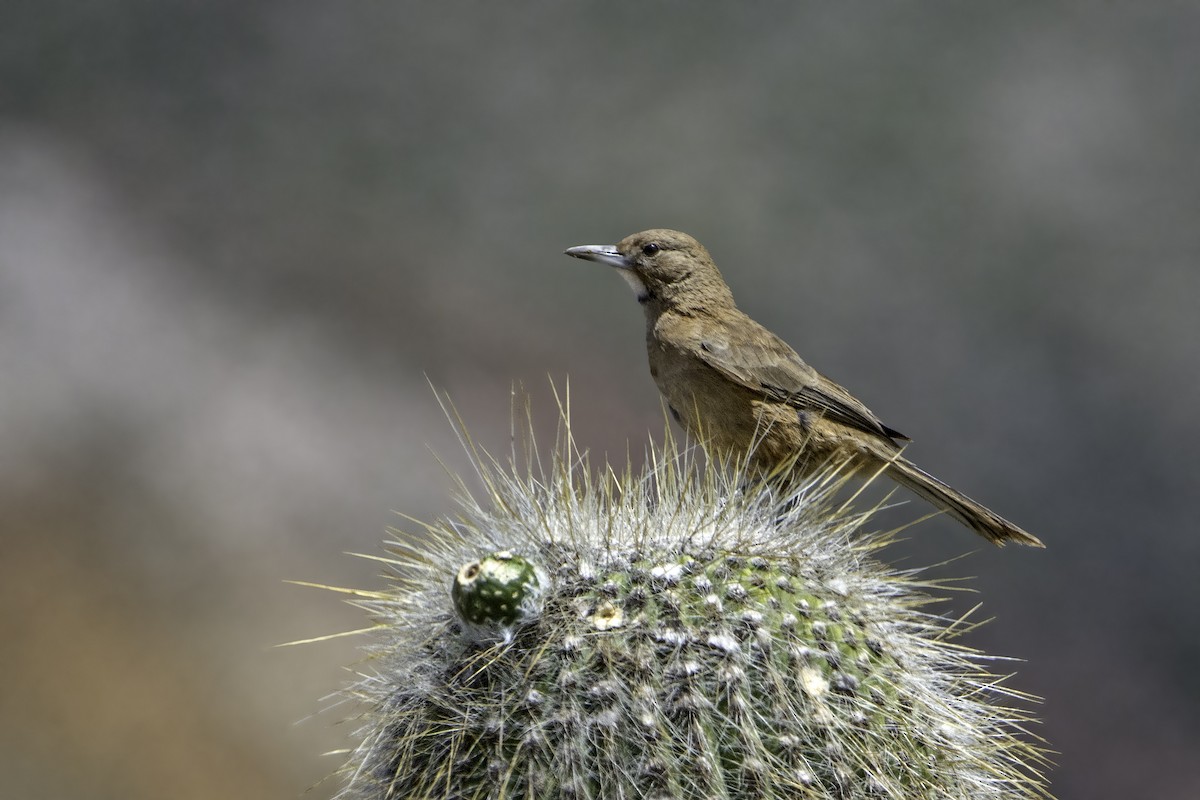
(650,249)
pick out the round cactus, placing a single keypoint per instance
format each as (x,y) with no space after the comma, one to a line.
(670,635)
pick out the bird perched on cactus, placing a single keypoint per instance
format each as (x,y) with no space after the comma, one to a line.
(740,389)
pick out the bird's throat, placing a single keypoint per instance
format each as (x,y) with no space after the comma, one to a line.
(635,283)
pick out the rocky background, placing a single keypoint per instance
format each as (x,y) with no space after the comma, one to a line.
(238,240)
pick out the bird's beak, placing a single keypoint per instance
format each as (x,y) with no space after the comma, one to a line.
(603,253)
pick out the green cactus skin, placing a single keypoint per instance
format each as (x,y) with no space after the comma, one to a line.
(689,641)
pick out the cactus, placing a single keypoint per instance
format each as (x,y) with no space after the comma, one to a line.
(669,635)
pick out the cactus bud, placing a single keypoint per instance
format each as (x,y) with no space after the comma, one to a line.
(496,591)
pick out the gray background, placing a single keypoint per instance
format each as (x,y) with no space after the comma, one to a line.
(236,237)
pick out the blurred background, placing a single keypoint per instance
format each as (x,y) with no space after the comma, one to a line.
(236,239)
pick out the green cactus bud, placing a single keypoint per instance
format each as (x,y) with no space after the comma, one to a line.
(496,591)
(677,638)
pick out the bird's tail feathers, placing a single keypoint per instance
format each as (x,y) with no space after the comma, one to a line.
(974,515)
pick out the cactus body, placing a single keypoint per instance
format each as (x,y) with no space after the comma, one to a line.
(669,636)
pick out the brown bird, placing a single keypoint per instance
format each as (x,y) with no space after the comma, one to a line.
(740,389)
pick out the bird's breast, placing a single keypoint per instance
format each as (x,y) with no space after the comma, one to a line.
(706,404)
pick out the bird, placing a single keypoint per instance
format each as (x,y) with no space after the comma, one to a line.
(742,391)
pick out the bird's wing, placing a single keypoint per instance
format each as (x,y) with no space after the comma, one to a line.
(765,363)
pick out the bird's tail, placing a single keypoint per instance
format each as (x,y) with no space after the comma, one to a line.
(975,516)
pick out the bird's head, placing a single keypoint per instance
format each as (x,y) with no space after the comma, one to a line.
(664,267)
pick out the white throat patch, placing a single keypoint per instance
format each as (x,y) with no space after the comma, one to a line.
(635,283)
